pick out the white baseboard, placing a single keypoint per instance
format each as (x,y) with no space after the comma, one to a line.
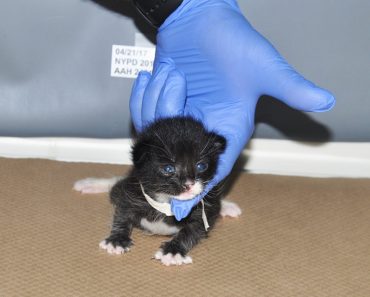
(333,159)
(282,157)
(111,151)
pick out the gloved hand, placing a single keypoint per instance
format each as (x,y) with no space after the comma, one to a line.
(228,65)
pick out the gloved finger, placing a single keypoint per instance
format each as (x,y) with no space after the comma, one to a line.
(172,99)
(225,165)
(234,146)
(136,98)
(293,89)
(153,91)
(181,208)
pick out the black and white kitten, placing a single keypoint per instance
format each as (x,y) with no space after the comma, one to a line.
(173,158)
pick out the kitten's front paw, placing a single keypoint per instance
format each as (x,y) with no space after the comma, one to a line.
(170,259)
(113,248)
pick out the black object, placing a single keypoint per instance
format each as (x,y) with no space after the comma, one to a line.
(156,11)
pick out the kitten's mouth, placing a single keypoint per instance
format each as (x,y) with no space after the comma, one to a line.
(190,192)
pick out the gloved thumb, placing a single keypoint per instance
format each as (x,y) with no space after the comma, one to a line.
(290,87)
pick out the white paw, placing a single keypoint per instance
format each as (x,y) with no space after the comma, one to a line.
(230,209)
(93,185)
(169,259)
(118,250)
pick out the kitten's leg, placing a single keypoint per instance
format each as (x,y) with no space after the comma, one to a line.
(230,209)
(119,240)
(94,185)
(174,252)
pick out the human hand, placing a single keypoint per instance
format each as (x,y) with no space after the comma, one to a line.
(228,65)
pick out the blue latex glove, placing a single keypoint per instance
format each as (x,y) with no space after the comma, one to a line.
(228,65)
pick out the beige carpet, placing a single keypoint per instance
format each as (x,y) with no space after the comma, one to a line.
(296,237)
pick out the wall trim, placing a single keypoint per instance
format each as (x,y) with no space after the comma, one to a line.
(281,157)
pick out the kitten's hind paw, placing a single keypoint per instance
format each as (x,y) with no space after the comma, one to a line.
(113,249)
(94,185)
(170,259)
(230,209)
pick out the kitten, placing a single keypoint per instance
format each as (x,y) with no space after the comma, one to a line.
(173,158)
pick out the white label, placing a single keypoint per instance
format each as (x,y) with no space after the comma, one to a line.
(128,61)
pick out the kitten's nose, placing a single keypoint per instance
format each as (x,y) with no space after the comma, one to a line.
(188,184)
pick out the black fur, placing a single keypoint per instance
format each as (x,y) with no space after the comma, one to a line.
(181,143)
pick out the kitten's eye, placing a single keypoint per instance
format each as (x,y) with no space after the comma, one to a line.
(201,167)
(168,169)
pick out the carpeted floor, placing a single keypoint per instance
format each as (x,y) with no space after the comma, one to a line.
(296,237)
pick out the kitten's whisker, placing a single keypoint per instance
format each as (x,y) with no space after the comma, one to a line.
(201,152)
(211,150)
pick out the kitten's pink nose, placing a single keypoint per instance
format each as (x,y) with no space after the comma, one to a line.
(188,185)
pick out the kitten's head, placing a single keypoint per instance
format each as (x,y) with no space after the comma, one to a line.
(176,158)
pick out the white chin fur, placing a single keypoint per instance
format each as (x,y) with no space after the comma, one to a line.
(195,190)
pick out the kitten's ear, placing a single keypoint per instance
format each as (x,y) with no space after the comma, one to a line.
(219,144)
(139,152)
